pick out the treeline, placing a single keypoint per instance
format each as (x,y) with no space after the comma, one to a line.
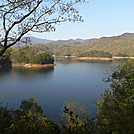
(85,48)
(115,112)
(62,50)
(96,53)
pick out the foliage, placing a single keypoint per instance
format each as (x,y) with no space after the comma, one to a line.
(21,55)
(76,120)
(96,53)
(42,58)
(5,58)
(29,119)
(116,45)
(28,54)
(18,17)
(116,110)
(5,119)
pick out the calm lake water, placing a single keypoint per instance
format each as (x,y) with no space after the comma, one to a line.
(79,81)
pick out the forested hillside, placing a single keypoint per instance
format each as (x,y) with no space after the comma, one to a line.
(122,45)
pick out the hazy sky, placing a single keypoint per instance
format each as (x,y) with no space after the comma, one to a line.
(101,18)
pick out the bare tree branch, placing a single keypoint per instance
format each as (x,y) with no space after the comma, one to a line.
(18,17)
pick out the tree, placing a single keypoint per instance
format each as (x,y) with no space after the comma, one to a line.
(76,119)
(31,55)
(18,17)
(42,58)
(28,119)
(23,54)
(5,58)
(116,110)
(5,119)
(96,53)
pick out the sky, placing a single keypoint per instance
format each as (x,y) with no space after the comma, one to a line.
(101,18)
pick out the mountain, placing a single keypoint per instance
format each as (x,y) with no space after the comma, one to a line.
(35,40)
(125,36)
(121,45)
(67,42)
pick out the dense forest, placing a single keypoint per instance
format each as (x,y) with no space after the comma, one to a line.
(115,112)
(96,53)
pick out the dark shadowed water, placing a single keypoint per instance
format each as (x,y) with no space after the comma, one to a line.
(80,81)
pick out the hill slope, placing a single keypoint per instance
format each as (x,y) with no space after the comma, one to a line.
(117,45)
(122,45)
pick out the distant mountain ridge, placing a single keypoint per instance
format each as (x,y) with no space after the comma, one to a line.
(70,41)
(35,40)
(124,36)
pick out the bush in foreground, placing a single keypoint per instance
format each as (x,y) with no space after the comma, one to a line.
(28,119)
(116,110)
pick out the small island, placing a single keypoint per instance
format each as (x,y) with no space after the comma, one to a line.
(27,57)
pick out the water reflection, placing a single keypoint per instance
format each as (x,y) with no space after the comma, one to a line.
(70,60)
(26,72)
(34,71)
(65,60)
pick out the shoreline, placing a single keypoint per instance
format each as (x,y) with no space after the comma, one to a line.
(66,57)
(119,57)
(94,58)
(33,65)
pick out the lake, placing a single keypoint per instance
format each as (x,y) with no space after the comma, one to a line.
(69,80)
